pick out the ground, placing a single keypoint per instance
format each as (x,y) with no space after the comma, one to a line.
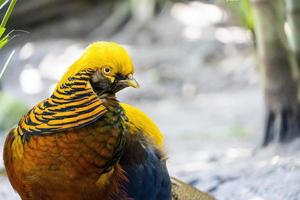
(200,84)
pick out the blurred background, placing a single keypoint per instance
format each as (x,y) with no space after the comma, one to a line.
(217,76)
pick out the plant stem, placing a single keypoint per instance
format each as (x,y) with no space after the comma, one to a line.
(8,13)
(6,63)
(3,3)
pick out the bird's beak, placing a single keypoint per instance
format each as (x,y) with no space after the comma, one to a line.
(130,82)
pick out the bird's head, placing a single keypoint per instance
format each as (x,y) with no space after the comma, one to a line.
(111,64)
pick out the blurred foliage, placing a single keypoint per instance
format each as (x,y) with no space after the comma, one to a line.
(5,38)
(2,172)
(11,110)
(242,11)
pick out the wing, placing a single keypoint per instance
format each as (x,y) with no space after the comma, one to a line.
(72,105)
(146,171)
(143,160)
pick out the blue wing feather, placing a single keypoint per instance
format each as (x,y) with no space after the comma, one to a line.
(148,179)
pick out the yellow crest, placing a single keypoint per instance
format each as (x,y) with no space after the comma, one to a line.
(98,55)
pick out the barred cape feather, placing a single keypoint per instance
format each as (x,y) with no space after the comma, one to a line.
(73,104)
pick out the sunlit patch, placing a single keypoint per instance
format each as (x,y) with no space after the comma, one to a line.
(275,160)
(26,51)
(287,29)
(57,64)
(197,14)
(257,198)
(30,80)
(192,33)
(288,32)
(233,34)
(234,153)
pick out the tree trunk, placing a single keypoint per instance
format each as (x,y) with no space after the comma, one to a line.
(280,88)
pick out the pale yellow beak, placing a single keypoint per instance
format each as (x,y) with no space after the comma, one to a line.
(130,82)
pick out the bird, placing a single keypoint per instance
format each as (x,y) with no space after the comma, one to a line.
(81,143)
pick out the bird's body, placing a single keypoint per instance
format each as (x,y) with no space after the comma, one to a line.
(82,144)
(70,164)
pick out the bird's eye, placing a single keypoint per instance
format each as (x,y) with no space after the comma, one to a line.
(106,70)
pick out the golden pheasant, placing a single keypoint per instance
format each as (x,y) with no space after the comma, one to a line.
(82,144)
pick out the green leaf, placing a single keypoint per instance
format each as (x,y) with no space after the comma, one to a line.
(4,41)
(6,63)
(8,13)
(2,30)
(3,3)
